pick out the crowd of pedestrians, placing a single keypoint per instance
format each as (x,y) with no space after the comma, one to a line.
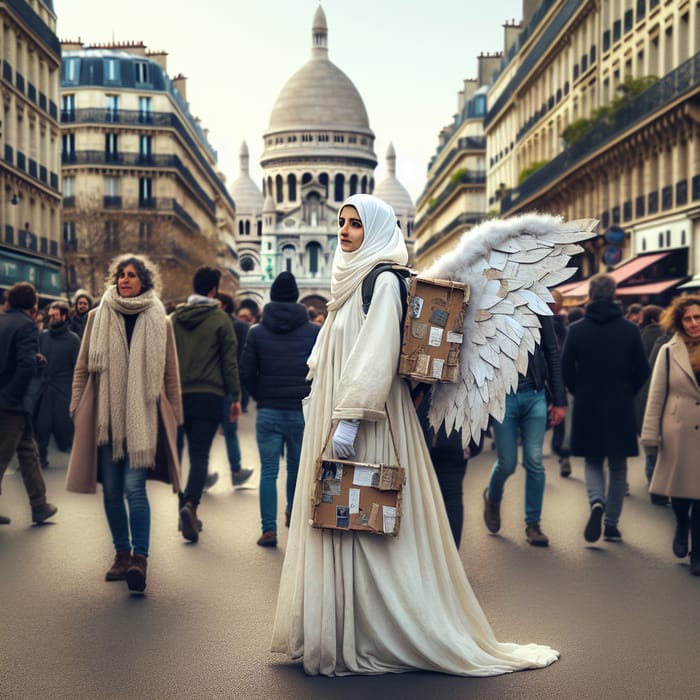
(124,384)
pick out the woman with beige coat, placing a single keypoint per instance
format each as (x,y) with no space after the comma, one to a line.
(126,407)
(671,426)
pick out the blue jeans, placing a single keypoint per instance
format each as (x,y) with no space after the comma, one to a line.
(230,428)
(275,428)
(617,486)
(120,481)
(526,415)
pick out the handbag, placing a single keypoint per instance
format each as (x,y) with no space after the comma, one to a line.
(358,496)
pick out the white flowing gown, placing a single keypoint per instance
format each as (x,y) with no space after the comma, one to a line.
(361,603)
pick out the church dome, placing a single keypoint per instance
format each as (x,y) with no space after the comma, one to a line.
(319,95)
(392,191)
(246,194)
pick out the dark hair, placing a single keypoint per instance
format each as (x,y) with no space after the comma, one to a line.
(651,314)
(226,301)
(575,313)
(146,271)
(634,309)
(61,306)
(21,295)
(602,286)
(671,316)
(205,279)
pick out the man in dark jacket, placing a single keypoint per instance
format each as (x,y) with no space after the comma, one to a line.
(59,346)
(604,366)
(526,417)
(274,369)
(83,303)
(206,351)
(19,345)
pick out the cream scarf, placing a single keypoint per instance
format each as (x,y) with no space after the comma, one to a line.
(131,378)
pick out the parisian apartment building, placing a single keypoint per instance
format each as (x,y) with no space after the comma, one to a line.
(138,172)
(593,111)
(30,195)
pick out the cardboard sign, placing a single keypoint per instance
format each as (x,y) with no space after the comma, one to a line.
(434,330)
(358,496)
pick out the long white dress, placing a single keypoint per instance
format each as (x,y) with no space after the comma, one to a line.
(361,603)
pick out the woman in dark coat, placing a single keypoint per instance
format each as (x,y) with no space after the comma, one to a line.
(604,366)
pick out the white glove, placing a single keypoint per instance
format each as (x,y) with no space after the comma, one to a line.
(344,438)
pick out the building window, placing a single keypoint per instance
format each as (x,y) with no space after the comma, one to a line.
(70,70)
(67,108)
(279,188)
(145,192)
(353,184)
(288,257)
(339,188)
(145,233)
(111,148)
(141,71)
(145,147)
(247,227)
(314,251)
(69,186)
(292,187)
(111,70)
(247,263)
(70,242)
(145,116)
(240,227)
(68,147)
(112,106)
(111,235)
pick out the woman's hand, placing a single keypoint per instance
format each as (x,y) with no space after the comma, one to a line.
(344,438)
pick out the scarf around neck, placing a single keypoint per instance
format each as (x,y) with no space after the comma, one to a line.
(131,377)
(383,242)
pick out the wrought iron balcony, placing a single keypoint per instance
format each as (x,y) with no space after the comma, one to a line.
(681,81)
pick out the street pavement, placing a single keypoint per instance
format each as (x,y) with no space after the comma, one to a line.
(626,617)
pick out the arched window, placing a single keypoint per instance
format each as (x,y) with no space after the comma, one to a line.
(259,227)
(280,188)
(313,252)
(292,187)
(269,187)
(240,228)
(247,263)
(364,185)
(306,178)
(339,193)
(247,227)
(323,180)
(288,257)
(353,184)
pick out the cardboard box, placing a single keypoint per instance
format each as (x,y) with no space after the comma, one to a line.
(433,330)
(358,496)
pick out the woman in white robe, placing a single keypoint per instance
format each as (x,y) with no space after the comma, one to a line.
(355,602)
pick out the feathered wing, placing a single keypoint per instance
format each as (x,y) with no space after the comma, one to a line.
(509,265)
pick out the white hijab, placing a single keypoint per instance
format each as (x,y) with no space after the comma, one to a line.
(383,242)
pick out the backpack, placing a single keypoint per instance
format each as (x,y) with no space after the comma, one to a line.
(402,274)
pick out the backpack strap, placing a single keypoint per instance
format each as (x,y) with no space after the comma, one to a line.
(401,273)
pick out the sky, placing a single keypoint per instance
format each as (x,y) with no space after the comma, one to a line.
(407,59)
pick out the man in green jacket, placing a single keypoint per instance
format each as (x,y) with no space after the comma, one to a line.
(206,350)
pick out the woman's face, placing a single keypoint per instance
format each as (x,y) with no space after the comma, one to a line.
(691,321)
(128,282)
(351,231)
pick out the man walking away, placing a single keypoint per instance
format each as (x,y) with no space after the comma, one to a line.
(604,365)
(206,350)
(274,369)
(19,345)
(60,347)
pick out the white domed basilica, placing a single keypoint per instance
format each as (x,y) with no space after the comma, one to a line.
(318,150)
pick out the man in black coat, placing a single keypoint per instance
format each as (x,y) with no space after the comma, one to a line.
(274,369)
(59,346)
(19,345)
(604,365)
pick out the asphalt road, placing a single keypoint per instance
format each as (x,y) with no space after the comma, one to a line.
(626,617)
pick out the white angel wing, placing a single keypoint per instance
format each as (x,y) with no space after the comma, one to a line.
(509,265)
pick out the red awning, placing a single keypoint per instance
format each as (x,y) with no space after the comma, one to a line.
(621,273)
(648,289)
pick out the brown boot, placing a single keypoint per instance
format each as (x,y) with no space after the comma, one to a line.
(121,564)
(136,574)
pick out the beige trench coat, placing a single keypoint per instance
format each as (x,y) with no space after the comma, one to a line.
(675,428)
(82,465)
